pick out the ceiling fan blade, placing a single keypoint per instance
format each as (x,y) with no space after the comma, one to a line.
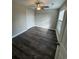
(45,6)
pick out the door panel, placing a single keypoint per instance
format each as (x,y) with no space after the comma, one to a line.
(61,52)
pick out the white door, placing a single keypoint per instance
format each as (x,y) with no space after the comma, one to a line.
(61,52)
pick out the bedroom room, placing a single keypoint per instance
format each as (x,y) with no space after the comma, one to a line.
(39,29)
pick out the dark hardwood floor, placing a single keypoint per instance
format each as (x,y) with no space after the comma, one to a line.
(35,43)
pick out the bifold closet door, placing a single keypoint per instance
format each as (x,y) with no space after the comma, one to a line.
(61,52)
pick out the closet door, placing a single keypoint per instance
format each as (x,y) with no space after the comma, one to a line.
(61,52)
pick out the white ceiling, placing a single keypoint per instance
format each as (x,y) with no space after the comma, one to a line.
(53,4)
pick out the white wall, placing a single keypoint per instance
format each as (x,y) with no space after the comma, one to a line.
(22,18)
(46,19)
(18,18)
(30,18)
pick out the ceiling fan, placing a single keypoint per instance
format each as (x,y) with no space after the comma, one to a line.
(38,5)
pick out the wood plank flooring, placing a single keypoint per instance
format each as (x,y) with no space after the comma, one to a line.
(35,43)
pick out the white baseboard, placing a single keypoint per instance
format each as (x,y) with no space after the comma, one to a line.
(19,33)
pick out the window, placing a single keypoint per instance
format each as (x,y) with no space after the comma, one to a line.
(61,15)
(60,20)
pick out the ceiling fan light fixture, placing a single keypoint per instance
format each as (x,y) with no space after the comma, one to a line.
(38,7)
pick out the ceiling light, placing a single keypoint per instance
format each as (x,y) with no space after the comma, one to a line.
(38,7)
